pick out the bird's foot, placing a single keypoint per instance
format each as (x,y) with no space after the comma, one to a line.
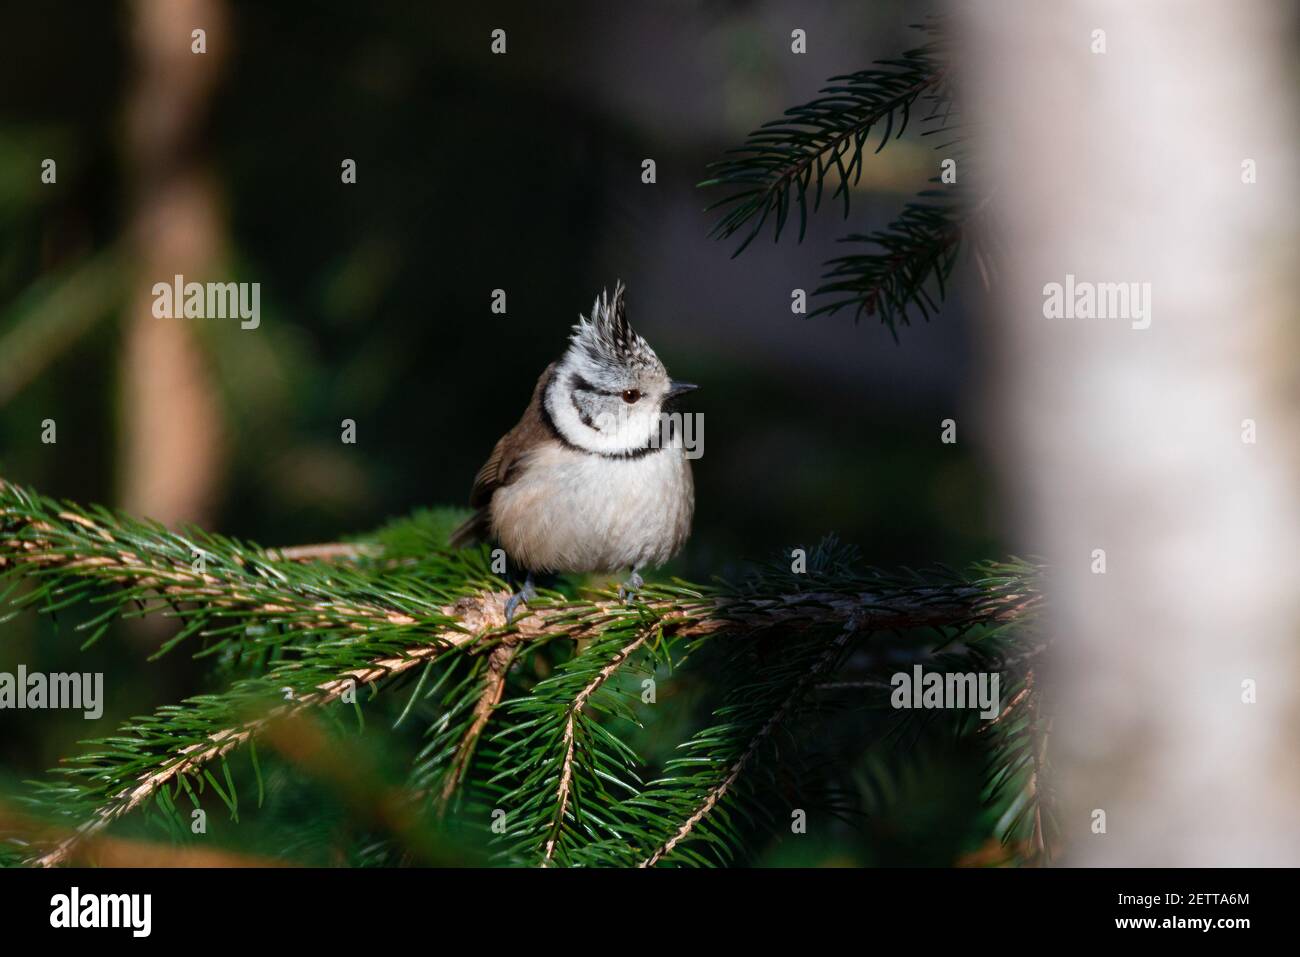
(524,595)
(630,587)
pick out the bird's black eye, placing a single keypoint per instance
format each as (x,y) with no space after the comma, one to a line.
(631,395)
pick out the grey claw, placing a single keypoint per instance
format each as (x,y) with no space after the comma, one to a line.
(630,587)
(524,595)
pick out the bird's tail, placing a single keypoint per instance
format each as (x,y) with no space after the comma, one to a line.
(474,530)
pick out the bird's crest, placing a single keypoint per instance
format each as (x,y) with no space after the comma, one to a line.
(607,336)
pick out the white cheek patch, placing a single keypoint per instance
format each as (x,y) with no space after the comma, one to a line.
(631,427)
(608,432)
(595,422)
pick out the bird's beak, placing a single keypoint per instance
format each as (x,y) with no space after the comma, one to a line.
(676,388)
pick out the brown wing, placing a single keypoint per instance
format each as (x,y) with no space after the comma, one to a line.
(503,466)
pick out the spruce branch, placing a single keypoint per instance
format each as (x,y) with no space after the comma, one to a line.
(786,160)
(499,661)
(707,795)
(70,554)
(904,267)
(1018,768)
(918,249)
(101,851)
(191,758)
(325,552)
(569,739)
(715,794)
(304,632)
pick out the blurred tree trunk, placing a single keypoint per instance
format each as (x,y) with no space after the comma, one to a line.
(171,422)
(1126,166)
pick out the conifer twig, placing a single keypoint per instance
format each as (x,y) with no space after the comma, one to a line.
(327,551)
(822,664)
(102,851)
(570,735)
(494,685)
(191,757)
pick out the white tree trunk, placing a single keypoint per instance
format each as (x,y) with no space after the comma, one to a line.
(1126,166)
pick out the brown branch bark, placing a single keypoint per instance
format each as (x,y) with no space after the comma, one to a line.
(331,551)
